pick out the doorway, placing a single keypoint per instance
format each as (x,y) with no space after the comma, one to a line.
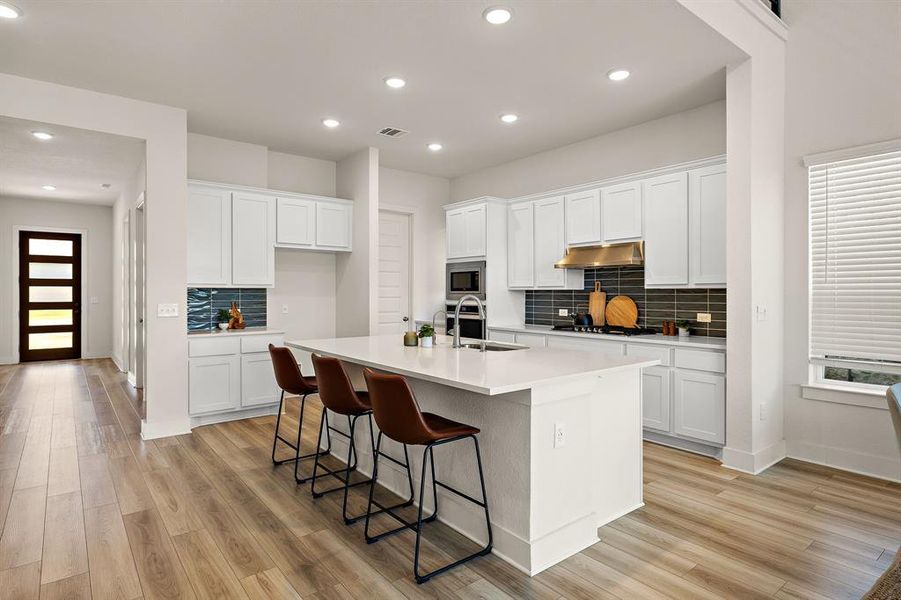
(49,295)
(136,298)
(395,262)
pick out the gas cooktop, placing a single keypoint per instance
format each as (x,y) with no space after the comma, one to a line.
(608,329)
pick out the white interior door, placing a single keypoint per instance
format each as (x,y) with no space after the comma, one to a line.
(394,271)
(136,322)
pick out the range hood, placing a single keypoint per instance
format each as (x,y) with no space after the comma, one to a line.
(609,255)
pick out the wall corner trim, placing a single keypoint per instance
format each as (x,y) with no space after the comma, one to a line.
(152,431)
(754,462)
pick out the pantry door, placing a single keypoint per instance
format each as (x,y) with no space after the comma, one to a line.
(49,296)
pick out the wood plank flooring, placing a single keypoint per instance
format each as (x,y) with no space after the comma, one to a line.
(88,509)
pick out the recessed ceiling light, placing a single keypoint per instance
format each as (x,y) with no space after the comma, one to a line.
(435,146)
(42,135)
(8,11)
(509,118)
(331,123)
(618,74)
(395,82)
(497,15)
(48,187)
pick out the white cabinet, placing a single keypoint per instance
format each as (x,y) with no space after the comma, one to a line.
(520,246)
(588,345)
(215,383)
(621,213)
(666,230)
(699,404)
(532,340)
(502,336)
(296,221)
(209,236)
(550,242)
(253,244)
(707,225)
(583,217)
(466,229)
(656,385)
(334,225)
(258,384)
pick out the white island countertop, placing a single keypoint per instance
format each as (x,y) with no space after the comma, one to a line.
(487,373)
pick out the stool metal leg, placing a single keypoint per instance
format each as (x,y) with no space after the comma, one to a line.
(296,447)
(389,510)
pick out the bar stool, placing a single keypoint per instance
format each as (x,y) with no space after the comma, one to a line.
(398,416)
(290,380)
(338,395)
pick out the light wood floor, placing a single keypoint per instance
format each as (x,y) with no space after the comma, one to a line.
(88,509)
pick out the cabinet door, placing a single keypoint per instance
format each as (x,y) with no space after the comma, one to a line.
(253,245)
(550,242)
(502,336)
(209,236)
(214,383)
(334,225)
(258,384)
(621,212)
(456,233)
(475,221)
(666,230)
(700,406)
(532,340)
(583,217)
(587,345)
(707,224)
(520,246)
(296,222)
(655,398)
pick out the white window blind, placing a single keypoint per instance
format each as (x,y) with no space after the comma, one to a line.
(855,255)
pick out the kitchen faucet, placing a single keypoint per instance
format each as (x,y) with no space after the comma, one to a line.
(457,316)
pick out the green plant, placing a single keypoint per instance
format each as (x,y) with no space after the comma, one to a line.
(426,331)
(224,316)
(683,324)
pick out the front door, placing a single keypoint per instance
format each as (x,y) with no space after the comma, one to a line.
(49,295)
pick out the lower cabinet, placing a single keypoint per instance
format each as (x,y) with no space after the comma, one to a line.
(699,404)
(215,383)
(656,384)
(258,384)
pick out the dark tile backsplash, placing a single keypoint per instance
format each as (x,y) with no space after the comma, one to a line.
(204,305)
(654,306)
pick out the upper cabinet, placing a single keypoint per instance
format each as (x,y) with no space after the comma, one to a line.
(536,239)
(621,213)
(466,231)
(233,231)
(707,226)
(583,217)
(666,230)
(520,245)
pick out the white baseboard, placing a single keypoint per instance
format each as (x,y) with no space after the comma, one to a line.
(237,415)
(132,379)
(753,462)
(872,465)
(152,431)
(9,360)
(118,363)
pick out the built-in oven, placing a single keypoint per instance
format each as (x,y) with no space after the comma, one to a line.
(465,278)
(471,324)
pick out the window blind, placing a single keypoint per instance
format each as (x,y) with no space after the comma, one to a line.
(855,260)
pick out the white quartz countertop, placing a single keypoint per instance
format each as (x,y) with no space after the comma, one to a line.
(487,373)
(234,332)
(692,341)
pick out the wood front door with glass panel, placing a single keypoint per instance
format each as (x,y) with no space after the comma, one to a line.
(49,295)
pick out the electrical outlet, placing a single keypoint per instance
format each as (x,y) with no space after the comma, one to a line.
(562,312)
(167,310)
(284,309)
(764,411)
(559,435)
(95,300)
(703,317)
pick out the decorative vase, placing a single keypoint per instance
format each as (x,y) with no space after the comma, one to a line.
(684,332)
(410,339)
(223,326)
(427,341)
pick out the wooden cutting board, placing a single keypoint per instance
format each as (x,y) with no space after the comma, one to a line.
(597,302)
(622,312)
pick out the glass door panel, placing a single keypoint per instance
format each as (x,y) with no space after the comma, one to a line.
(41,318)
(50,247)
(47,341)
(38,270)
(41,293)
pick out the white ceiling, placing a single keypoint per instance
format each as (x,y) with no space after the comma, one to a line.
(76,161)
(268,72)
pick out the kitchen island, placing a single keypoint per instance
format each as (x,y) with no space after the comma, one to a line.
(561,435)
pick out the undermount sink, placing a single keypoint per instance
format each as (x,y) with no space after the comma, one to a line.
(492,346)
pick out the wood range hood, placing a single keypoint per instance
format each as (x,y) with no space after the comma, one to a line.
(606,255)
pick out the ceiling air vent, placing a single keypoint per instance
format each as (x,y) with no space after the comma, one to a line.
(393,132)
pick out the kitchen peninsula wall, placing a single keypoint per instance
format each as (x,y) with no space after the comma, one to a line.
(654,305)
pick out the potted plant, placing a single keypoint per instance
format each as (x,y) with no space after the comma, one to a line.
(427,335)
(224,318)
(683,326)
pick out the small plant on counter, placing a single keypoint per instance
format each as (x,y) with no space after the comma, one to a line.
(224,318)
(683,326)
(427,335)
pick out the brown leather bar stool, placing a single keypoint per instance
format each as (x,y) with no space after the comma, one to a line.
(338,395)
(290,380)
(398,416)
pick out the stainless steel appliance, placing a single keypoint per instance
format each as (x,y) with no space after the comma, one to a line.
(471,324)
(465,278)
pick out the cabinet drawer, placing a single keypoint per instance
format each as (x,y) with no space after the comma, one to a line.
(661,353)
(569,343)
(260,343)
(502,336)
(700,360)
(213,347)
(532,340)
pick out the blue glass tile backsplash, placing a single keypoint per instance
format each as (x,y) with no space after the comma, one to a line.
(204,305)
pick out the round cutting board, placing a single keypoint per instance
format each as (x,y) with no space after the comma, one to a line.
(622,312)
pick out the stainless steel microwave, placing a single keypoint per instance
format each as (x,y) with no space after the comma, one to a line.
(465,278)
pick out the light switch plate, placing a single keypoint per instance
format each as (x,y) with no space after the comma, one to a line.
(167,310)
(703,317)
(559,435)
(562,312)
(761,313)
(284,309)
(95,300)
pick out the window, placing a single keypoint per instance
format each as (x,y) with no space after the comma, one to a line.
(855,269)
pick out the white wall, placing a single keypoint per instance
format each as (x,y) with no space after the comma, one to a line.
(425,195)
(226,161)
(690,135)
(302,174)
(96,220)
(843,90)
